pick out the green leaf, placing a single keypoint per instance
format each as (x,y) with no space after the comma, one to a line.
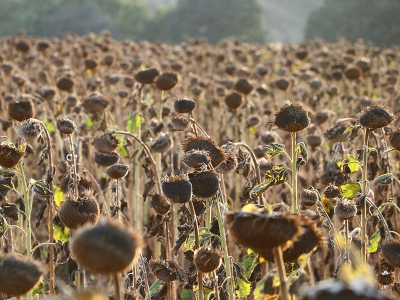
(348,129)
(249,263)
(374,242)
(186,295)
(121,147)
(59,234)
(384,179)
(204,234)
(349,190)
(275,176)
(49,125)
(302,150)
(58,195)
(243,287)
(22,147)
(351,162)
(272,149)
(38,289)
(156,286)
(133,123)
(89,122)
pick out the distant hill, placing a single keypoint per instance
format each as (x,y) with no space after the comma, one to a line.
(285,20)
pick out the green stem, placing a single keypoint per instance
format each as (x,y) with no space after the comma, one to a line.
(225,249)
(197,245)
(282,272)
(364,193)
(294,174)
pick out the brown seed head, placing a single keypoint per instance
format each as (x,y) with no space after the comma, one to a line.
(292,118)
(229,165)
(184,105)
(394,139)
(66,126)
(106,159)
(18,275)
(166,81)
(117,171)
(74,214)
(21,109)
(258,230)
(314,140)
(106,248)
(177,188)
(65,84)
(196,158)
(10,156)
(162,144)
(345,209)
(375,116)
(160,204)
(147,76)
(95,103)
(29,130)
(180,123)
(243,86)
(233,100)
(206,144)
(385,278)
(164,270)
(306,242)
(390,251)
(309,197)
(331,191)
(108,142)
(204,184)
(207,260)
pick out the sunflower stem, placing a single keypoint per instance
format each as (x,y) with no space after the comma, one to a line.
(282,272)
(364,193)
(197,245)
(295,208)
(225,249)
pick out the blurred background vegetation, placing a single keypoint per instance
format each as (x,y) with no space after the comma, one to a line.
(287,21)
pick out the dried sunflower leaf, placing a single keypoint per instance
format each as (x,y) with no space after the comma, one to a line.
(272,149)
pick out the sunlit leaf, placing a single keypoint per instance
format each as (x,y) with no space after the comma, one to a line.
(349,190)
(374,242)
(58,195)
(59,234)
(49,125)
(384,179)
(348,129)
(302,150)
(89,122)
(351,162)
(252,130)
(242,287)
(327,204)
(133,123)
(251,207)
(121,146)
(22,147)
(272,149)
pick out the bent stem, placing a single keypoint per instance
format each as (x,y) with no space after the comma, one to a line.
(225,249)
(197,245)
(364,193)
(282,272)
(295,208)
